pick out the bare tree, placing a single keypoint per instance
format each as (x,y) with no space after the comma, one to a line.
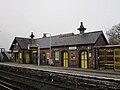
(114,34)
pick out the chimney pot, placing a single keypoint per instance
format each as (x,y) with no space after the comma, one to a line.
(44,35)
(32,36)
(81,28)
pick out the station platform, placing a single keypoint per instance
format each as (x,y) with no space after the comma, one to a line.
(94,73)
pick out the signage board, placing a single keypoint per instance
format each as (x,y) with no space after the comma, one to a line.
(15,51)
(32,47)
(72,48)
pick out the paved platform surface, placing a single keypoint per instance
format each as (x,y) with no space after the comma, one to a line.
(105,74)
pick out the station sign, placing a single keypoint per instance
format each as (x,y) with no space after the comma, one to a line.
(72,48)
(15,51)
(32,47)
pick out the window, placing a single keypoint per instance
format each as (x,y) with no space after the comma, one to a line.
(117,51)
(72,55)
(48,55)
(56,55)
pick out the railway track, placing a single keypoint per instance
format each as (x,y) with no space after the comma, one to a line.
(20,82)
(11,82)
(51,78)
(7,86)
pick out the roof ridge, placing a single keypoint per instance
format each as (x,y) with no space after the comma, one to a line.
(94,32)
(69,34)
(22,37)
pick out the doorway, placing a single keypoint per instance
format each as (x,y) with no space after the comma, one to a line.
(43,58)
(27,58)
(83,59)
(65,59)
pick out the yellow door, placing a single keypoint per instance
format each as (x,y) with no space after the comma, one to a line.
(65,59)
(17,57)
(27,58)
(84,59)
(116,59)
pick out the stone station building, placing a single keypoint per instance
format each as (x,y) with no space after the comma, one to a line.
(66,50)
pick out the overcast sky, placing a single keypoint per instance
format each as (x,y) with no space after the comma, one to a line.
(21,17)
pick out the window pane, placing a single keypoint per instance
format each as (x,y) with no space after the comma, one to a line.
(57,55)
(48,55)
(117,59)
(117,52)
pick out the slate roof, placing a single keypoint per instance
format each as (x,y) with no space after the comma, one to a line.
(62,40)
(22,42)
(69,39)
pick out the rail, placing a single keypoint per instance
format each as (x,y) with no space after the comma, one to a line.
(7,86)
(28,82)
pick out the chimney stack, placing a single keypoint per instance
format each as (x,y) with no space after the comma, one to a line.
(44,35)
(32,36)
(81,29)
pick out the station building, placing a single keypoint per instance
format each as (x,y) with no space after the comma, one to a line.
(65,50)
